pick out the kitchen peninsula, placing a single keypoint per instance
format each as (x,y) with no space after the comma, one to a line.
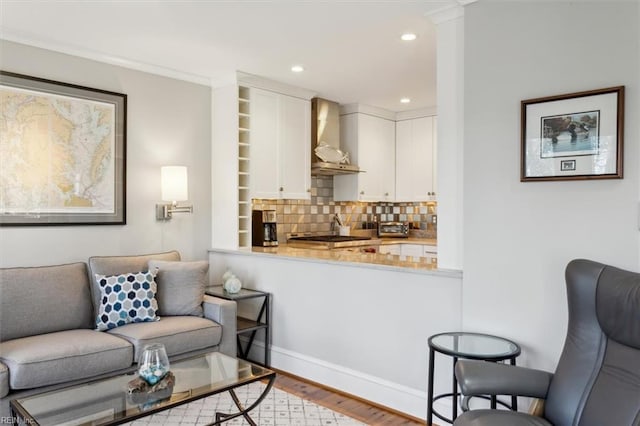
(344,321)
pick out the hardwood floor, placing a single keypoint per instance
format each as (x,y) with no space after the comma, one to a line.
(348,405)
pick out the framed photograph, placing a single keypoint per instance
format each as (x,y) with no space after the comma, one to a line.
(62,153)
(573,136)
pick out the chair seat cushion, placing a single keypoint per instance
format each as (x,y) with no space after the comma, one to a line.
(179,334)
(498,418)
(63,356)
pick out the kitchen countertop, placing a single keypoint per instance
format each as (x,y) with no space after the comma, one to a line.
(355,256)
(410,240)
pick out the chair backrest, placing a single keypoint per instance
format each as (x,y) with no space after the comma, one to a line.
(597,381)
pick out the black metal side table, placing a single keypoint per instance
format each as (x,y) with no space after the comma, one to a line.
(248,325)
(470,346)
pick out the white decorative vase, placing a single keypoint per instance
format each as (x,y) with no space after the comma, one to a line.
(232,284)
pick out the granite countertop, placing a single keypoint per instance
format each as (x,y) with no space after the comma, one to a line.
(353,256)
(410,240)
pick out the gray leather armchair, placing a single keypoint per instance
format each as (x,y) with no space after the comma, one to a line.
(597,380)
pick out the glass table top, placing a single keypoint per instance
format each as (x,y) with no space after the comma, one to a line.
(244,293)
(474,345)
(106,401)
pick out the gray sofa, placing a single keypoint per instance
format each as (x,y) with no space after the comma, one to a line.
(48,314)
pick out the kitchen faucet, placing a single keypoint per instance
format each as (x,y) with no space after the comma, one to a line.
(336,220)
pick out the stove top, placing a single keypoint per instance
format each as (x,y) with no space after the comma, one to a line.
(331,241)
(329,238)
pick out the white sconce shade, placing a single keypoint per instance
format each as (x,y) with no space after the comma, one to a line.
(174,183)
(174,188)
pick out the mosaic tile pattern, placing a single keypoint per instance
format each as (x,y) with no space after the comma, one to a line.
(278,408)
(316,214)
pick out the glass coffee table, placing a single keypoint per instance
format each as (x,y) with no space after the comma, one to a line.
(108,402)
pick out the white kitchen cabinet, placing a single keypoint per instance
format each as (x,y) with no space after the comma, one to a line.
(416,251)
(370,141)
(415,159)
(390,249)
(430,253)
(280,147)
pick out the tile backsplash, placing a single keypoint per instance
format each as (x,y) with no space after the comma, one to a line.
(316,214)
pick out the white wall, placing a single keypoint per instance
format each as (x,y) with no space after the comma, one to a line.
(450,138)
(168,123)
(520,236)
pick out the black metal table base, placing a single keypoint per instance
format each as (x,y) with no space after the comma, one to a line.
(244,412)
(494,403)
(455,393)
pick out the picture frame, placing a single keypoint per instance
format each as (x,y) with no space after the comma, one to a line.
(574,136)
(63,153)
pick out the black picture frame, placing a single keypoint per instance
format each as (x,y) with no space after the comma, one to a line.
(64,153)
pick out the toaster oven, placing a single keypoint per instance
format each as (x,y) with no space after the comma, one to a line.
(393,229)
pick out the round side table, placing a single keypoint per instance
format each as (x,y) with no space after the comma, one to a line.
(469,346)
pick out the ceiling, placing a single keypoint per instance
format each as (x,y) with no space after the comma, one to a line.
(351,50)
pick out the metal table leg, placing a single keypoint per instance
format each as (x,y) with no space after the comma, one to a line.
(430,388)
(244,412)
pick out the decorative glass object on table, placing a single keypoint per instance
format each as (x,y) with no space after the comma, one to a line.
(232,284)
(153,364)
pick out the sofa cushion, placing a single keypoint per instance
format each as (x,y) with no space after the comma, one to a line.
(126,298)
(63,356)
(179,334)
(116,265)
(44,299)
(180,286)
(4,380)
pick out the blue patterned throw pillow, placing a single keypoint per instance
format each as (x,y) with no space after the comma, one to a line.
(125,299)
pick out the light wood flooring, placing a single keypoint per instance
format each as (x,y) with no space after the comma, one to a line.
(348,405)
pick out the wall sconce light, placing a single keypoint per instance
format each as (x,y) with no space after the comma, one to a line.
(174,188)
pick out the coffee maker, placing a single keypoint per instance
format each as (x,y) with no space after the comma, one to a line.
(264,228)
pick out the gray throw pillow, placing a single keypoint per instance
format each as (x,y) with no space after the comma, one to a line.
(180,286)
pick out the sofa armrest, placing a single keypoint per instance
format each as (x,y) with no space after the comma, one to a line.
(224,312)
(4,380)
(490,378)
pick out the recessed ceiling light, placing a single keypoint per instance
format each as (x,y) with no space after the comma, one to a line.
(408,36)
(297,68)
(405,100)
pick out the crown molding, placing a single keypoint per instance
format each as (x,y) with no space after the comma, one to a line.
(416,113)
(15,37)
(258,82)
(454,10)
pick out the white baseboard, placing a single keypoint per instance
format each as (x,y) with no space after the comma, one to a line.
(371,388)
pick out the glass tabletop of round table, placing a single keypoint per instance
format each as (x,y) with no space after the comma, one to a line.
(474,346)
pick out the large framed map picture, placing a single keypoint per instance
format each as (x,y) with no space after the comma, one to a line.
(62,153)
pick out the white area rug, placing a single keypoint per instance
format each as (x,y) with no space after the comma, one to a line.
(278,408)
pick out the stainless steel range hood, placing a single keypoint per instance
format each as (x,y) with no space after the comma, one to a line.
(325,132)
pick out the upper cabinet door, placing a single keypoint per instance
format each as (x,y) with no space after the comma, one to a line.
(370,142)
(280,146)
(415,146)
(264,135)
(295,147)
(377,157)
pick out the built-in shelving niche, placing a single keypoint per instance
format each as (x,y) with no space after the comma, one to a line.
(244,145)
